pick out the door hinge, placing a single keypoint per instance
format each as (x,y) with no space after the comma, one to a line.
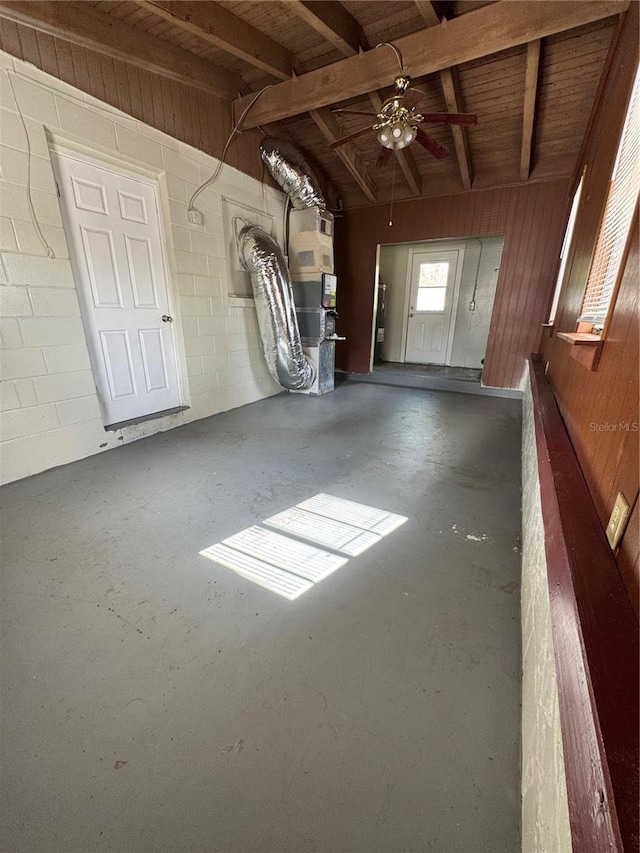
(57,188)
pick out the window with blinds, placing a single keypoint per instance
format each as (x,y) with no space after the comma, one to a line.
(616,222)
(564,252)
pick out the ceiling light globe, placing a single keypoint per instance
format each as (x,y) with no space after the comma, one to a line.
(385,138)
(410,134)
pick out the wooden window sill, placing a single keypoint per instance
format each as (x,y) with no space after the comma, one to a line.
(585,347)
(581,338)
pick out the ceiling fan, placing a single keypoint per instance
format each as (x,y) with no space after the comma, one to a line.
(398,122)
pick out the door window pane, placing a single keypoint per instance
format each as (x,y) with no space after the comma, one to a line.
(431,298)
(432,286)
(434,274)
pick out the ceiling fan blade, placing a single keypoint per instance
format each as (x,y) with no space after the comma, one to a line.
(383,158)
(351,136)
(356,113)
(415,97)
(431,145)
(465,119)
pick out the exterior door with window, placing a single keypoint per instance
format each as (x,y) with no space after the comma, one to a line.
(112,222)
(431,305)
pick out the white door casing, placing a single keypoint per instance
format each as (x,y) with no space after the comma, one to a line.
(432,290)
(112,222)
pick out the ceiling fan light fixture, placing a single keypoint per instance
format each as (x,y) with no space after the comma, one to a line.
(410,134)
(397,128)
(385,138)
(397,135)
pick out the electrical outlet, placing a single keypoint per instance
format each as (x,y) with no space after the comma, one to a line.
(618,520)
(195,216)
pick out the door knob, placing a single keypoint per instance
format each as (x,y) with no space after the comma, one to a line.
(167,319)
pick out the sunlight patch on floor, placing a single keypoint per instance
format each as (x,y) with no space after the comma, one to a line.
(280,562)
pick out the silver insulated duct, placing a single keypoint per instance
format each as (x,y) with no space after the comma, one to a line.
(273,295)
(289,169)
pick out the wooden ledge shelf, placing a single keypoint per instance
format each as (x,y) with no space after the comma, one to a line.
(595,640)
(585,348)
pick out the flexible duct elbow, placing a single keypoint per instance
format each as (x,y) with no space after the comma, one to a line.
(260,255)
(289,168)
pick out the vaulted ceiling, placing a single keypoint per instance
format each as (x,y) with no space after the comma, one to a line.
(529,70)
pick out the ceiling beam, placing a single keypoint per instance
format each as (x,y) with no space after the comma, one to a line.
(451,90)
(485,31)
(333,22)
(81,24)
(330,129)
(530,93)
(410,170)
(326,122)
(226,31)
(429,15)
(453,100)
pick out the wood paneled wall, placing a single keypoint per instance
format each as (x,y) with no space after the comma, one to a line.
(532,219)
(600,408)
(185,112)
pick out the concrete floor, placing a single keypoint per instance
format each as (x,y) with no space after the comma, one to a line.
(431,377)
(154,701)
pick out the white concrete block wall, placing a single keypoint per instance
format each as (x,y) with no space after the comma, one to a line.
(545,811)
(49,412)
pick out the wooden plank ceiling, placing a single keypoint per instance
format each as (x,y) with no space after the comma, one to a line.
(529,70)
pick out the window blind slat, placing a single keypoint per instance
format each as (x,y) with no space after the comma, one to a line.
(616,222)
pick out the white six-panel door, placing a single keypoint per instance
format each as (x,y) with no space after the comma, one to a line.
(112,221)
(434,276)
